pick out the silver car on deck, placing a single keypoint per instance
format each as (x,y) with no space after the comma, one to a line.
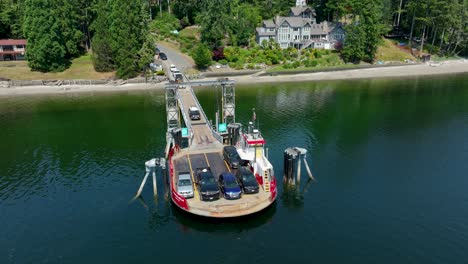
(184,185)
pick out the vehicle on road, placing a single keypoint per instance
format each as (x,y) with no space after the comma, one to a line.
(247,180)
(156,50)
(178,77)
(194,113)
(231,156)
(229,186)
(162,56)
(184,185)
(207,185)
(173,68)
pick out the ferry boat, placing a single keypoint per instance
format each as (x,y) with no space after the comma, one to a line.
(250,146)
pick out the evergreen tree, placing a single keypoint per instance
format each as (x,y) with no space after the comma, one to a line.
(247,17)
(202,56)
(102,52)
(11,19)
(216,21)
(127,35)
(46,51)
(68,15)
(363,36)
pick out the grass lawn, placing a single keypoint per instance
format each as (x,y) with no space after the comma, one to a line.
(391,51)
(190,32)
(81,68)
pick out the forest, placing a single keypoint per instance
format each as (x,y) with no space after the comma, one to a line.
(118,32)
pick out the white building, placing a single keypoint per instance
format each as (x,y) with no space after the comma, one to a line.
(301,30)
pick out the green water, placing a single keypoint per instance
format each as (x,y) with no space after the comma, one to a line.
(390,156)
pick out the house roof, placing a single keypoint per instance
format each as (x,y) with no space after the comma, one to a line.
(268,23)
(319,29)
(8,42)
(298,10)
(260,33)
(294,21)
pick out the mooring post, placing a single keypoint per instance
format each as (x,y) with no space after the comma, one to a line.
(298,180)
(142,184)
(308,169)
(155,185)
(289,159)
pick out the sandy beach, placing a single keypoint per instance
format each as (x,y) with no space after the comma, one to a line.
(446,67)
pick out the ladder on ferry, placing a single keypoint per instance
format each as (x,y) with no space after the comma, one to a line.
(266,181)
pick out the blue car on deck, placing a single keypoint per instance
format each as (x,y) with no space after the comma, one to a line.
(229,186)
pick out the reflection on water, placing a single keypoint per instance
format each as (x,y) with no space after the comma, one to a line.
(389,157)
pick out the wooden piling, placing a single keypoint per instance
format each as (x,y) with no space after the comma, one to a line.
(142,184)
(298,176)
(155,185)
(308,170)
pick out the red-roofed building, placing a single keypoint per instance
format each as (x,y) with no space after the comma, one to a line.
(12,49)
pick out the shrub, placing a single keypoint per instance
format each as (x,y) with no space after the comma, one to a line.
(202,56)
(239,65)
(310,63)
(160,73)
(223,62)
(317,54)
(218,54)
(250,66)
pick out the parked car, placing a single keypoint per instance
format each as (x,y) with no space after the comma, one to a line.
(173,68)
(194,113)
(162,56)
(184,185)
(156,50)
(229,186)
(207,185)
(231,156)
(156,67)
(247,180)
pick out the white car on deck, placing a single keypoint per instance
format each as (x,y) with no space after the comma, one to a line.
(184,185)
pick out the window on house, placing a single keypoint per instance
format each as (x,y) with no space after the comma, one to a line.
(296,29)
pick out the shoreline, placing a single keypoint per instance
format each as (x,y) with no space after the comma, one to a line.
(442,68)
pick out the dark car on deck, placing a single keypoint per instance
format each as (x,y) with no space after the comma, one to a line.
(207,185)
(231,156)
(229,186)
(247,180)
(162,56)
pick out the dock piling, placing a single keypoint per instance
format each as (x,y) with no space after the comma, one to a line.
(155,185)
(292,166)
(142,184)
(150,167)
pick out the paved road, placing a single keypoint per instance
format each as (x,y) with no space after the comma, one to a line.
(181,61)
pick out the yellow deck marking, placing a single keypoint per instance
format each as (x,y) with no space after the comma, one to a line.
(195,189)
(206,158)
(227,166)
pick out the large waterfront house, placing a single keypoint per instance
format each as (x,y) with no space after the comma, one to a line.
(12,49)
(301,30)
